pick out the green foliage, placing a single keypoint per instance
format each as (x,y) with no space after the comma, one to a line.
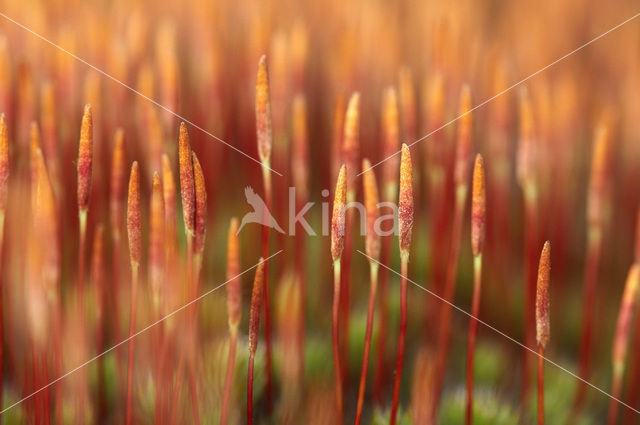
(559,394)
(489,365)
(318,360)
(488,409)
(381,417)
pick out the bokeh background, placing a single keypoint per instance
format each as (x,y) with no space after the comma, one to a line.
(199,59)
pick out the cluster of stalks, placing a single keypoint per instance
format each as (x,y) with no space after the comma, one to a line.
(118,188)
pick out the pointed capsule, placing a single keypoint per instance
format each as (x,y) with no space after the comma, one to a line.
(542,296)
(187,184)
(156,237)
(85,159)
(405,201)
(371,201)
(134,222)
(234,288)
(256,306)
(625,315)
(117,184)
(391,134)
(350,141)
(338,218)
(4,163)
(263,112)
(463,146)
(478,207)
(201,205)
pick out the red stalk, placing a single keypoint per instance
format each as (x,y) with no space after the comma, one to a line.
(591,271)
(473,330)
(401,339)
(540,385)
(254,328)
(134,232)
(132,328)
(85,161)
(4,188)
(621,339)
(234,305)
(337,247)
(526,173)
(350,153)
(264,139)
(381,334)
(267,312)
(542,320)
(372,248)
(390,125)
(231,361)
(335,322)
(405,227)
(117,194)
(461,173)
(530,224)
(596,203)
(478,220)
(445,310)
(367,340)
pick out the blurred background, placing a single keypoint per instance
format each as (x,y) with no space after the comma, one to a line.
(199,59)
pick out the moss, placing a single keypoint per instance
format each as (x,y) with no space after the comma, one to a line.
(488,409)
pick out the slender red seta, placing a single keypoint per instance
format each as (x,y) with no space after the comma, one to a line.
(390,126)
(596,207)
(337,247)
(350,155)
(85,161)
(372,248)
(134,232)
(234,311)
(98,282)
(526,168)
(634,370)
(478,220)
(254,329)
(156,273)
(265,143)
(621,339)
(117,198)
(4,189)
(461,177)
(405,226)
(542,321)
